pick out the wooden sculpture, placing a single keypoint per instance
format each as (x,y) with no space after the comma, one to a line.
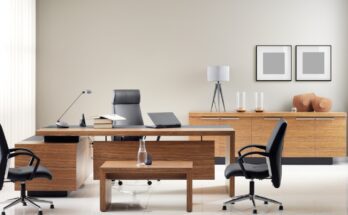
(321,104)
(303,102)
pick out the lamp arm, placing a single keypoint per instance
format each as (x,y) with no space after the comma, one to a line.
(71,105)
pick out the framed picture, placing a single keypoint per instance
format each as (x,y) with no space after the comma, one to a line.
(273,62)
(313,63)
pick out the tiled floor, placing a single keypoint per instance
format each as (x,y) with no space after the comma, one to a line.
(304,190)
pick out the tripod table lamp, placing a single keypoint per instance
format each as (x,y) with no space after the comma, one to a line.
(218,73)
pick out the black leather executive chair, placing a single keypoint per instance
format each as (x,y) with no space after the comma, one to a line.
(127,104)
(21,174)
(270,169)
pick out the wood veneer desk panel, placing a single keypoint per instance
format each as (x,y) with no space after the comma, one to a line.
(190,131)
(69,163)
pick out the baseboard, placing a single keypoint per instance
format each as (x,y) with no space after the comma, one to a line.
(48,193)
(287,161)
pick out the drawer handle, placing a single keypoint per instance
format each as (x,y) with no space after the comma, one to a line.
(210,118)
(271,118)
(230,118)
(305,118)
(325,118)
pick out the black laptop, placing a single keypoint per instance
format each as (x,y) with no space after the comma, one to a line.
(164,120)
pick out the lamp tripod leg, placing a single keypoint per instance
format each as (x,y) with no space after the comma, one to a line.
(218,95)
(213,102)
(222,98)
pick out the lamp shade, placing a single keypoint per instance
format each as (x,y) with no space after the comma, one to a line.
(218,73)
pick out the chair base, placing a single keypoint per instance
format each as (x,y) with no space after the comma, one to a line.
(252,197)
(24,199)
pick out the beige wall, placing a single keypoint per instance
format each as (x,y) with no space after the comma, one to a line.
(162,47)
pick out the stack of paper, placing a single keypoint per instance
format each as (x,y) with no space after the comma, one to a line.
(105,121)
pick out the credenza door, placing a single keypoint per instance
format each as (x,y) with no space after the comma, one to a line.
(299,140)
(330,137)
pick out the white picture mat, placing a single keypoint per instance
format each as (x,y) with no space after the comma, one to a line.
(287,63)
(327,63)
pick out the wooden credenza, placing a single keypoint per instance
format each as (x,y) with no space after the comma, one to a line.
(309,134)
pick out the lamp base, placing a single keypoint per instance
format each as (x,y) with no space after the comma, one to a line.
(62,124)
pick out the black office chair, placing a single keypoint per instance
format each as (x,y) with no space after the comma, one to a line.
(270,169)
(21,174)
(127,104)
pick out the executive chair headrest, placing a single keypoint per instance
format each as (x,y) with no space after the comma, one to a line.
(126,97)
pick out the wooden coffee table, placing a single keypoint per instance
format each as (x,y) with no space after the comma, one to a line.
(128,170)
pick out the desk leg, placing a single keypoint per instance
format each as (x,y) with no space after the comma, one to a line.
(230,158)
(105,192)
(189,191)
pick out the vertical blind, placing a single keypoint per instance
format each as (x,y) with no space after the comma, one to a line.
(17,68)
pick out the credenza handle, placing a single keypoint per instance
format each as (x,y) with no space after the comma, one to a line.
(271,118)
(304,118)
(230,118)
(325,118)
(210,118)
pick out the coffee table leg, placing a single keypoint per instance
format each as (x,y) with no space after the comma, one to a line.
(105,193)
(189,191)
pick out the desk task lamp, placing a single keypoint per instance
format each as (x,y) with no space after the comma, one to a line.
(62,124)
(218,73)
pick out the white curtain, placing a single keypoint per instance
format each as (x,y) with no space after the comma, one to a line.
(17,68)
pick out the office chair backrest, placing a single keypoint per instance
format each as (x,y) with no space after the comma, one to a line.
(275,150)
(127,104)
(4,152)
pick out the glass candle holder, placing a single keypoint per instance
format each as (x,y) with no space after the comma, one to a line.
(240,99)
(259,101)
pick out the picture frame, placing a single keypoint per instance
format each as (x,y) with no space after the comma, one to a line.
(313,63)
(273,63)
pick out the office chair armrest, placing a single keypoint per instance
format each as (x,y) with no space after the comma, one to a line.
(241,160)
(33,158)
(251,146)
(25,150)
(21,149)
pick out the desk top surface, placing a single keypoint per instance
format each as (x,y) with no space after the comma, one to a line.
(138,131)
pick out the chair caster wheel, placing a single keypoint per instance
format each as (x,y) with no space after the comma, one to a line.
(281,207)
(232,203)
(120,183)
(52,206)
(224,208)
(254,211)
(24,204)
(265,202)
(40,213)
(149,183)
(3,213)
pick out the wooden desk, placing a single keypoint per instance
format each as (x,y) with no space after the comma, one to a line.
(129,170)
(172,150)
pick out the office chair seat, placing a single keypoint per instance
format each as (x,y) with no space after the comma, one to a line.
(24,173)
(259,171)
